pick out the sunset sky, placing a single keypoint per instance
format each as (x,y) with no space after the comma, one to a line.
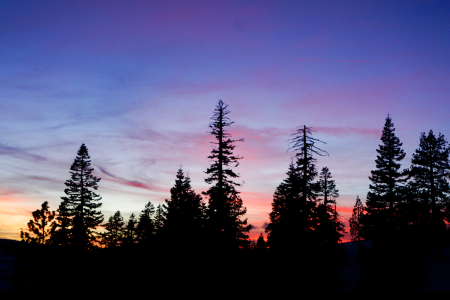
(138,81)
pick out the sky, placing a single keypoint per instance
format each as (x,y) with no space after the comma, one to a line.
(138,81)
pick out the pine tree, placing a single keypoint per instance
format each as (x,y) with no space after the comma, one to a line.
(113,235)
(81,202)
(293,217)
(355,221)
(185,211)
(383,196)
(261,243)
(329,229)
(282,224)
(430,169)
(41,226)
(130,231)
(62,235)
(303,144)
(225,207)
(159,218)
(146,225)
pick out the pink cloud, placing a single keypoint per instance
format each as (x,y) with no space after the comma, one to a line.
(131,183)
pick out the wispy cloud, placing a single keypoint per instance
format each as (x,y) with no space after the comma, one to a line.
(20,153)
(132,183)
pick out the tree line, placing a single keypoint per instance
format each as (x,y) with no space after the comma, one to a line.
(404,209)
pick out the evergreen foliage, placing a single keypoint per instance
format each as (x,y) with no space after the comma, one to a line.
(113,235)
(81,203)
(146,225)
(430,169)
(41,226)
(185,211)
(356,226)
(160,218)
(130,232)
(225,206)
(384,197)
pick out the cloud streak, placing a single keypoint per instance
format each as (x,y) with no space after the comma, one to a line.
(20,153)
(131,183)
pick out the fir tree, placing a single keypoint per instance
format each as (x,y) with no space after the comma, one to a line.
(185,211)
(41,226)
(62,235)
(303,144)
(146,225)
(261,243)
(430,169)
(355,221)
(130,231)
(281,225)
(81,203)
(159,218)
(225,207)
(383,196)
(329,228)
(113,235)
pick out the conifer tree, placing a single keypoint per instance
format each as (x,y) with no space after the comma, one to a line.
(113,235)
(159,218)
(185,211)
(383,196)
(355,221)
(130,231)
(225,207)
(62,235)
(261,243)
(146,225)
(303,144)
(81,203)
(281,225)
(293,217)
(329,229)
(430,169)
(41,226)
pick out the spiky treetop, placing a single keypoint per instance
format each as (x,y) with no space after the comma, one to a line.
(430,166)
(81,202)
(222,155)
(386,177)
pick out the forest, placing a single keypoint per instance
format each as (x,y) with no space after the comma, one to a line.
(202,238)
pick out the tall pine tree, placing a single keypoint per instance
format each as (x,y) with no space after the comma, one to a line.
(430,169)
(225,207)
(383,196)
(81,202)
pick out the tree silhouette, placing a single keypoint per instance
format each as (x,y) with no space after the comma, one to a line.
(159,218)
(430,169)
(62,234)
(81,203)
(355,221)
(303,144)
(185,212)
(225,205)
(282,223)
(146,225)
(41,226)
(383,196)
(113,235)
(130,232)
(329,228)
